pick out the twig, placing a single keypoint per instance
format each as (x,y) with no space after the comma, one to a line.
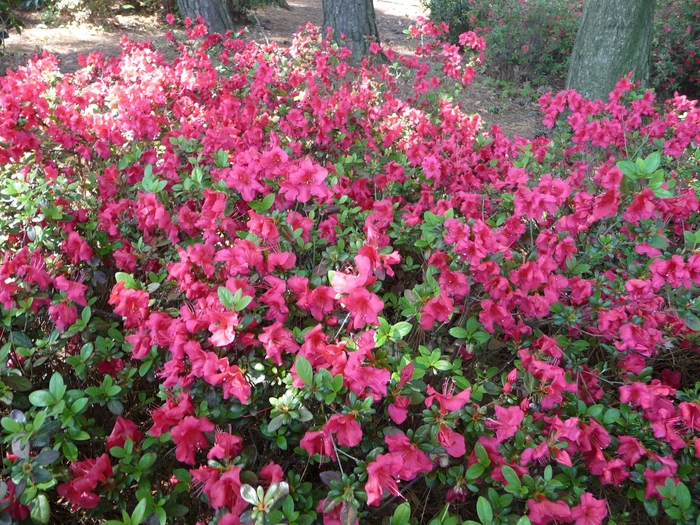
(261,27)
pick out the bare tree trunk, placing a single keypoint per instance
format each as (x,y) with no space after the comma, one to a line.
(355,19)
(215,12)
(614,37)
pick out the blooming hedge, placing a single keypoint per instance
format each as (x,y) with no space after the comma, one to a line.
(258,285)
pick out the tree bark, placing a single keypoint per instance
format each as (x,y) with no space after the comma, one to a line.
(614,37)
(355,19)
(215,12)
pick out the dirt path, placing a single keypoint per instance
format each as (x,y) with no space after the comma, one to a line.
(517,114)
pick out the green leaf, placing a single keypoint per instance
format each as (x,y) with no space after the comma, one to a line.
(265,205)
(651,506)
(403,328)
(402,514)
(475,471)
(249,494)
(276,494)
(46,457)
(524,520)
(652,162)
(442,365)
(128,279)
(484,510)
(56,386)
(41,475)
(11,425)
(147,460)
(510,475)
(482,455)
(275,423)
(629,169)
(115,407)
(683,496)
(21,339)
(139,513)
(658,241)
(611,415)
(304,370)
(243,302)
(481,337)
(175,510)
(17,383)
(41,510)
(691,321)
(86,314)
(459,333)
(41,398)
(226,298)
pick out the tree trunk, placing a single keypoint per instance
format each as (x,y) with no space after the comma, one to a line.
(614,38)
(353,19)
(215,12)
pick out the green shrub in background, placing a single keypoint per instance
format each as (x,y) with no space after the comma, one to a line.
(676,54)
(8,22)
(528,40)
(531,40)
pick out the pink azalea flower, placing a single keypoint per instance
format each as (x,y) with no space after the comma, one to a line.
(226,446)
(318,442)
(414,461)
(590,511)
(381,473)
(544,511)
(398,410)
(74,291)
(189,437)
(506,422)
(364,307)
(222,327)
(452,441)
(346,428)
(439,309)
(447,401)
(123,430)
(63,315)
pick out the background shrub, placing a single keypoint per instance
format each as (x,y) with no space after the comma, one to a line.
(524,40)
(533,40)
(676,54)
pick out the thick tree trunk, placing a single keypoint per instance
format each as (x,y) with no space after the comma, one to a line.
(215,12)
(614,38)
(355,19)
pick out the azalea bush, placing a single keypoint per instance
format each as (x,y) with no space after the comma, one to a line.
(255,285)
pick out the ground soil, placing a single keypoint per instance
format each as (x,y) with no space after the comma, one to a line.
(515,110)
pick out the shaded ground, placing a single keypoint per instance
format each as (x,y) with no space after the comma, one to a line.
(514,109)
